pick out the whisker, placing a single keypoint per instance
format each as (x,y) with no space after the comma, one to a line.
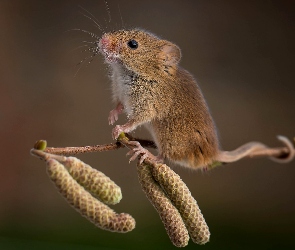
(94,19)
(82,62)
(85,31)
(88,42)
(108,10)
(85,45)
(96,24)
(122,22)
(94,51)
(93,57)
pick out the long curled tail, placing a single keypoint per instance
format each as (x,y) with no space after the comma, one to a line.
(254,149)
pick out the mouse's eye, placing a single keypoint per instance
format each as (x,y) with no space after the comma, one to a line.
(132,44)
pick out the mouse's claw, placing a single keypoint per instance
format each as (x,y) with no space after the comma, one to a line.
(139,151)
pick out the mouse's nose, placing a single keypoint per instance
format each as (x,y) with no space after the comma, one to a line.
(108,48)
(104,42)
(108,44)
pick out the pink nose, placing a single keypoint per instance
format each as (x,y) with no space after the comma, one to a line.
(104,42)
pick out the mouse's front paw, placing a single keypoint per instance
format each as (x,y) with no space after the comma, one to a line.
(117,130)
(113,116)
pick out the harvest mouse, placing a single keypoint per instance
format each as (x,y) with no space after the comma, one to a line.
(153,90)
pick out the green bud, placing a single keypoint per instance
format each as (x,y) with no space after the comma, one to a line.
(40,145)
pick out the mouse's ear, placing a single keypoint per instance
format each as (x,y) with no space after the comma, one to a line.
(171,54)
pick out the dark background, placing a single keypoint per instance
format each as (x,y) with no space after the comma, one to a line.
(242,54)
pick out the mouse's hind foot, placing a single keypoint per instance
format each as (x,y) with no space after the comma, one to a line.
(139,152)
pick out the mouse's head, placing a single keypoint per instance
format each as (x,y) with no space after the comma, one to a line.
(140,52)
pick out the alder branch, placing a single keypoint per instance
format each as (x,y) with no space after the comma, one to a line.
(96,148)
(83,149)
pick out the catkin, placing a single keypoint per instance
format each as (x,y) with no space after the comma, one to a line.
(169,215)
(94,210)
(182,199)
(94,181)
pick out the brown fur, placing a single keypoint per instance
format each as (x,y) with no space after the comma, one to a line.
(156,92)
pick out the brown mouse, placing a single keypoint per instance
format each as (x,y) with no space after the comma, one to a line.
(154,91)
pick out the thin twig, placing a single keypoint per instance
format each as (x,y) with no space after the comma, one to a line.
(97,148)
(83,149)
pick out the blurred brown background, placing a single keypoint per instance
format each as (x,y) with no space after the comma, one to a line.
(242,54)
